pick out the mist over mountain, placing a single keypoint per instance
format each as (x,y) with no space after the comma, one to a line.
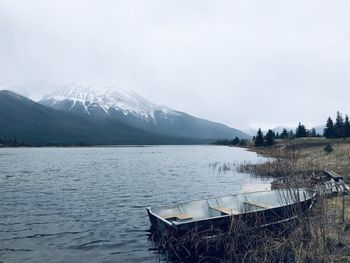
(118,117)
(132,109)
(39,125)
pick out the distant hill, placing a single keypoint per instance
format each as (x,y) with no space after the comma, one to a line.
(130,108)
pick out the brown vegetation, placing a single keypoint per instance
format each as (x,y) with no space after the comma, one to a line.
(305,156)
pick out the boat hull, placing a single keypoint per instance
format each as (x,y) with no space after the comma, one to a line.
(268,217)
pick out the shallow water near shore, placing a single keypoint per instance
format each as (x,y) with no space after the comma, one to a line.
(88,204)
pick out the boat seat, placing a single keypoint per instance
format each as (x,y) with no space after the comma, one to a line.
(181,216)
(225,210)
(257,204)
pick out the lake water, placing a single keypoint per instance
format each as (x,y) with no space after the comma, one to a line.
(88,204)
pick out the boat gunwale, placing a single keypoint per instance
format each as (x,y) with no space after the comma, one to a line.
(174,223)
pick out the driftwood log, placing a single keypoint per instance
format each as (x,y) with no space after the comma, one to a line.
(326,183)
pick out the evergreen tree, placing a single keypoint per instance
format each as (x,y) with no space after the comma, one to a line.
(301,131)
(284,134)
(339,126)
(328,148)
(235,141)
(329,130)
(291,134)
(312,133)
(277,135)
(270,138)
(242,142)
(259,139)
(346,126)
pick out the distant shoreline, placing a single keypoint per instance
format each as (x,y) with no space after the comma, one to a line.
(103,146)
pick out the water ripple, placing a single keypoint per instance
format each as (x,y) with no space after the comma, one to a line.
(88,204)
(42,235)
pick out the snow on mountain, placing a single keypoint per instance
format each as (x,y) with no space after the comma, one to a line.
(107,98)
(130,108)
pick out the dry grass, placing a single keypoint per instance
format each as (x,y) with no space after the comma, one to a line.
(308,155)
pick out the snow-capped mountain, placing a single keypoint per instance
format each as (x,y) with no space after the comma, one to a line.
(94,99)
(35,124)
(132,109)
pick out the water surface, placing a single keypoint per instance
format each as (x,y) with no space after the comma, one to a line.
(88,204)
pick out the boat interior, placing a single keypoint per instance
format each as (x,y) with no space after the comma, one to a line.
(229,205)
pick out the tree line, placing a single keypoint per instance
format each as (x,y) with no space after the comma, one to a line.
(339,129)
(235,141)
(269,139)
(11,142)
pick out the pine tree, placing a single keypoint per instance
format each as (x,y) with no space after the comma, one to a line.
(284,134)
(346,126)
(312,133)
(277,135)
(301,131)
(291,134)
(259,139)
(339,126)
(242,142)
(235,141)
(329,130)
(270,138)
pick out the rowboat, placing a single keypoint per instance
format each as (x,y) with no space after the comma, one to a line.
(255,209)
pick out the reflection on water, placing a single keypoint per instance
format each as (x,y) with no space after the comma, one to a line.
(88,204)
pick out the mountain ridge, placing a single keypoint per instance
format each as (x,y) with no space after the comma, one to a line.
(38,124)
(131,108)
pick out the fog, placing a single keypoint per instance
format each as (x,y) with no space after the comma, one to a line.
(242,63)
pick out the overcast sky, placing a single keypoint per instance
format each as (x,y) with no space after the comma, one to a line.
(244,63)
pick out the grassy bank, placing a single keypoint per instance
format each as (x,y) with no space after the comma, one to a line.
(302,158)
(307,155)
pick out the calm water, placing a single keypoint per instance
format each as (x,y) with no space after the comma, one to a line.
(88,204)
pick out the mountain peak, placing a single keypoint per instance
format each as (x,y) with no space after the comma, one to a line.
(106,98)
(132,109)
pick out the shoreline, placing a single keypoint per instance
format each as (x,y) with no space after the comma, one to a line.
(103,146)
(308,155)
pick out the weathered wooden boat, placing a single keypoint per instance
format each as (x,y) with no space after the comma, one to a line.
(255,209)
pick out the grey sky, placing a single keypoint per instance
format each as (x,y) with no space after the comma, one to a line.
(243,63)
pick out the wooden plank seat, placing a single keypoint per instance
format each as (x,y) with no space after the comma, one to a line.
(257,204)
(225,210)
(181,216)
